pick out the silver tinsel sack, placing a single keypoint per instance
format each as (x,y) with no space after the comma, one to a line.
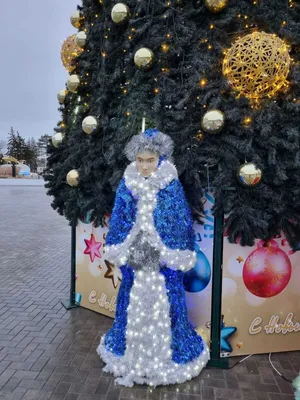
(142,255)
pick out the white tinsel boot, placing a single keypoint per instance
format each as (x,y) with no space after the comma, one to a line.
(296,385)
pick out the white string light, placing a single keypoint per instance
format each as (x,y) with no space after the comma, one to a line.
(146,190)
(153,366)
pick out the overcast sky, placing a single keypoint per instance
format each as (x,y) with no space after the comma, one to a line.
(31,71)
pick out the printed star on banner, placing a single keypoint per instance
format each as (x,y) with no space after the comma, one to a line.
(113,273)
(226,333)
(240,259)
(92,248)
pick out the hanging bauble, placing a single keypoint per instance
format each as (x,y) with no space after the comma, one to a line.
(72,177)
(75,19)
(204,332)
(213,121)
(61,96)
(143,58)
(257,65)
(196,279)
(73,83)
(267,270)
(69,51)
(249,174)
(216,6)
(120,13)
(81,39)
(89,124)
(57,139)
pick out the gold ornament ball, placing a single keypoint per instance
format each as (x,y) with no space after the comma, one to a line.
(61,97)
(120,13)
(81,39)
(69,51)
(249,174)
(143,58)
(89,124)
(57,139)
(257,65)
(213,121)
(75,19)
(73,83)
(204,332)
(72,177)
(216,6)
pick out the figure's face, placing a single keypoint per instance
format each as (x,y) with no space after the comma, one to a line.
(146,163)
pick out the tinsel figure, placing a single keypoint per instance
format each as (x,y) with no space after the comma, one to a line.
(296,386)
(151,238)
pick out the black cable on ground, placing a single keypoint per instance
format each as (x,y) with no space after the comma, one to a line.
(272,365)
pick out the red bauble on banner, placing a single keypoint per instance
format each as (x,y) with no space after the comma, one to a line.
(267,270)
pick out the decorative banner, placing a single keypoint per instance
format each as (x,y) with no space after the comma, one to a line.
(198,281)
(261,297)
(98,281)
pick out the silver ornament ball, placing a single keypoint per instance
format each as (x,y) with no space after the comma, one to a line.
(57,139)
(89,124)
(72,178)
(73,83)
(213,121)
(61,96)
(81,39)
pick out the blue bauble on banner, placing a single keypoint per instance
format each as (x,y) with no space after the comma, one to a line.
(198,278)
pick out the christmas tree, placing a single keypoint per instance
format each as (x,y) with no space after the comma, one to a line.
(220,77)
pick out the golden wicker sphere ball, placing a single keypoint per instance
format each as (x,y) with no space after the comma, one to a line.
(216,6)
(69,51)
(257,65)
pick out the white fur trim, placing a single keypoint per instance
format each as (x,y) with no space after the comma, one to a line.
(147,190)
(148,355)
